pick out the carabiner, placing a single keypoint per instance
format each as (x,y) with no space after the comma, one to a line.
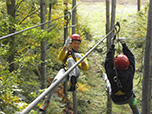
(117,25)
(115,78)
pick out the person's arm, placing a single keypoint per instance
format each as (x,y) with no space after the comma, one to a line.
(109,62)
(62,54)
(129,54)
(85,65)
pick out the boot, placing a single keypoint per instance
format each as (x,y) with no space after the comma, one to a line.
(44,105)
(73,83)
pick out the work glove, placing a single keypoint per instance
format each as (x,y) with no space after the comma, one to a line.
(122,40)
(78,55)
(68,41)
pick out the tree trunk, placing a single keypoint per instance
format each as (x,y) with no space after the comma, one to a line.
(109,102)
(146,89)
(138,5)
(73,16)
(43,47)
(113,12)
(65,20)
(11,12)
(50,8)
(65,36)
(73,32)
(107,23)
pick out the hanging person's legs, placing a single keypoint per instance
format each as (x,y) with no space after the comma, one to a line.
(74,74)
(131,101)
(50,95)
(108,85)
(133,105)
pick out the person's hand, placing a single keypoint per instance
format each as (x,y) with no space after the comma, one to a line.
(68,41)
(122,40)
(78,55)
(114,41)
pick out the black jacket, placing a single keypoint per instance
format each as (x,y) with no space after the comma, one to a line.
(125,77)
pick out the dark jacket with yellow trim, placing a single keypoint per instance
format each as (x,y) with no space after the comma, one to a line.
(125,77)
(62,55)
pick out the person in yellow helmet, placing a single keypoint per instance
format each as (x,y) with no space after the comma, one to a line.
(69,57)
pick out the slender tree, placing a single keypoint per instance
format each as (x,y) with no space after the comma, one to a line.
(113,13)
(11,53)
(65,19)
(146,85)
(43,47)
(65,2)
(73,15)
(73,32)
(108,22)
(109,102)
(138,5)
(50,8)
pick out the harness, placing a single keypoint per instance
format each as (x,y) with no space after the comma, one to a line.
(119,85)
(70,52)
(115,78)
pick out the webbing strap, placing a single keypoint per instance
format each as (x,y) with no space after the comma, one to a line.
(116,32)
(117,81)
(70,52)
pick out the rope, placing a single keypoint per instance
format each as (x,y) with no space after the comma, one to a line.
(12,34)
(116,32)
(116,79)
(124,5)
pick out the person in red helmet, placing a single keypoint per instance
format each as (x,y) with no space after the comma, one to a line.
(69,57)
(121,62)
(119,76)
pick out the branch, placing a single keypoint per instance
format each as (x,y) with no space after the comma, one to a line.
(18,4)
(28,16)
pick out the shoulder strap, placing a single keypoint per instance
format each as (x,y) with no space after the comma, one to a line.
(116,80)
(70,52)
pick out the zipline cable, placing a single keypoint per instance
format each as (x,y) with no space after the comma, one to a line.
(12,34)
(37,100)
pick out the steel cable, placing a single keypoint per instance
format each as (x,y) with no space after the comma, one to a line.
(12,34)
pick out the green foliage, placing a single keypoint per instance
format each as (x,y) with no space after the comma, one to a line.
(20,87)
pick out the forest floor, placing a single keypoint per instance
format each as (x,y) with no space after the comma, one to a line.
(93,12)
(133,2)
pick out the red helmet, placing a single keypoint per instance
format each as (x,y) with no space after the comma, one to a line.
(75,37)
(121,62)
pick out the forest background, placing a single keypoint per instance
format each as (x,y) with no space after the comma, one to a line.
(21,86)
